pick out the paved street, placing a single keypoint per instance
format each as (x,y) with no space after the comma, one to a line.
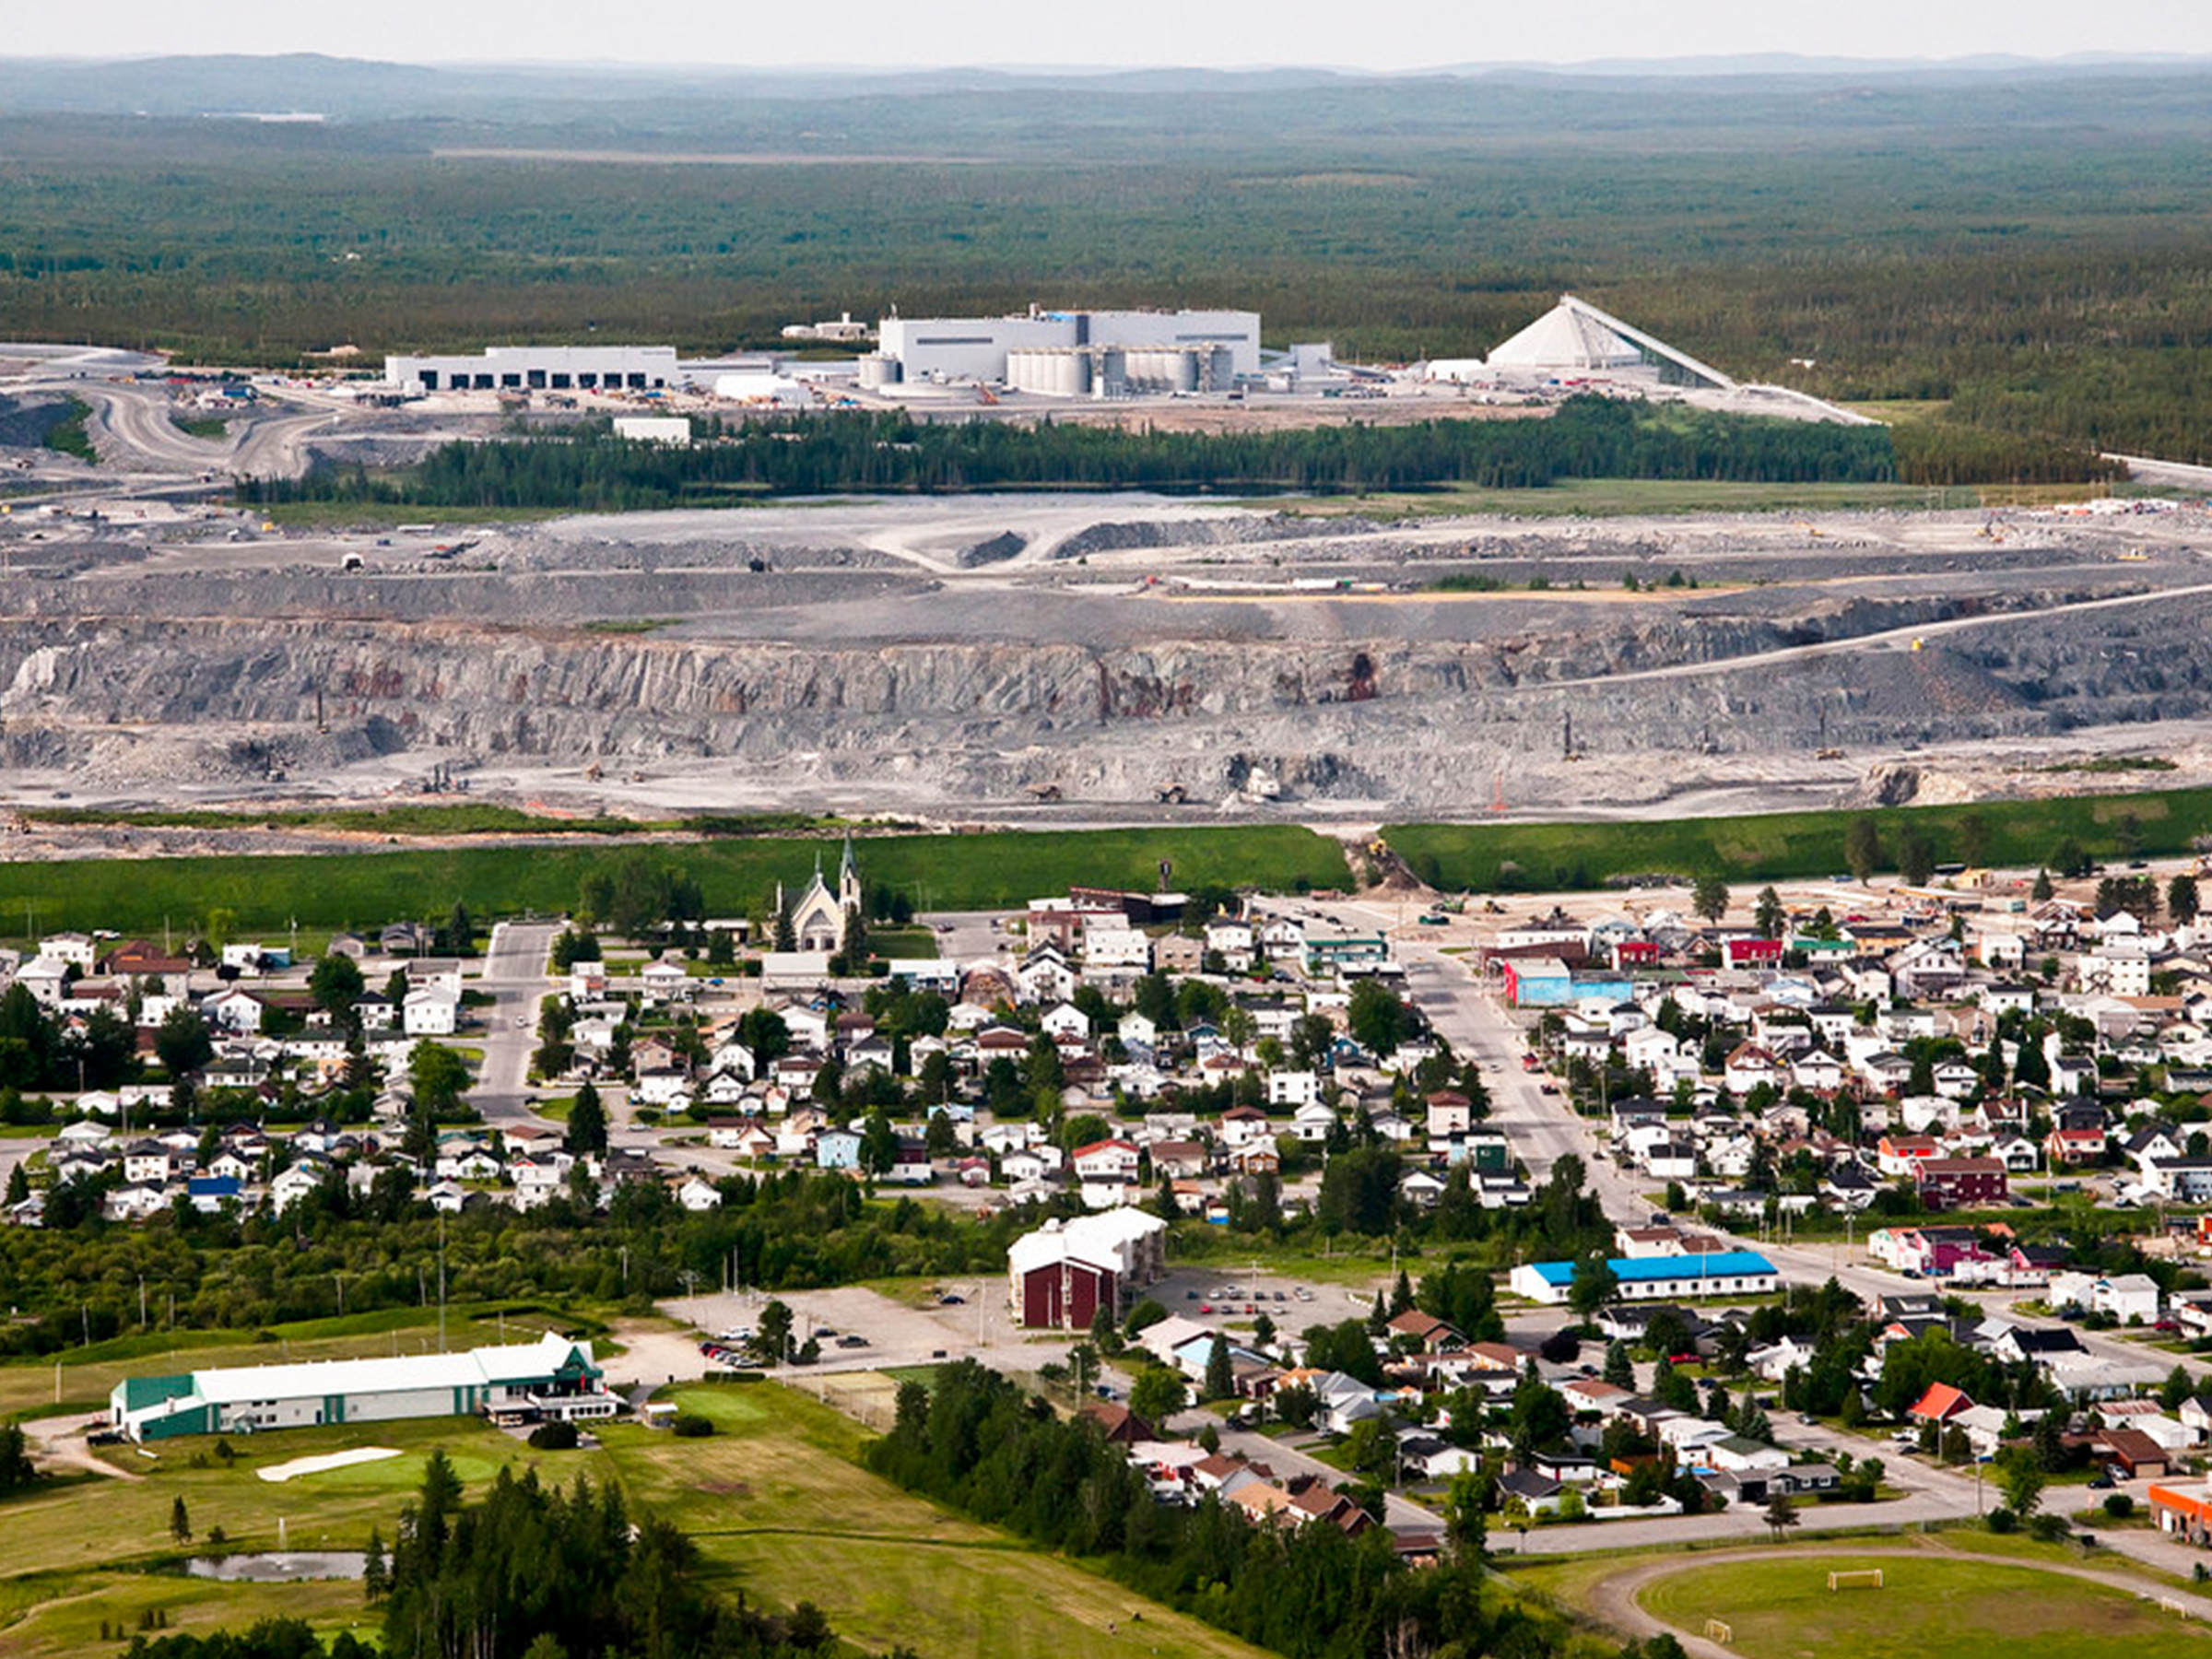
(514,978)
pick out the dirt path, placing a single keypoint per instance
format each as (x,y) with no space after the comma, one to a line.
(1615,1601)
(58,1443)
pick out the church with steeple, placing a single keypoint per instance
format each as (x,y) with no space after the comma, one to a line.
(820,918)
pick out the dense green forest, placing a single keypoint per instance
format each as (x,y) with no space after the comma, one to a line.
(794,1230)
(1589,438)
(2023,247)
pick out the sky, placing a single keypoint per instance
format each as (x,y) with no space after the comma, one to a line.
(1380,34)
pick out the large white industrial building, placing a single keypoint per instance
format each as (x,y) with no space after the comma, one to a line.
(551,1379)
(538,368)
(1073,353)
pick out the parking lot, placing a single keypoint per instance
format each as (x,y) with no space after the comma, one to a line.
(860,1328)
(1214,1290)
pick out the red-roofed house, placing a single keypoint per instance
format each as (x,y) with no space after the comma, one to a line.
(1901,1154)
(1940,1404)
(1752,953)
(1106,1161)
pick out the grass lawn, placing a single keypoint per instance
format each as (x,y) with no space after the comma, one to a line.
(1931,1608)
(64,1547)
(1233,1254)
(891,943)
(58,1615)
(355,889)
(1779,845)
(774,1500)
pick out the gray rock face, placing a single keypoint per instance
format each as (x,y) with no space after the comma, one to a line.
(792,660)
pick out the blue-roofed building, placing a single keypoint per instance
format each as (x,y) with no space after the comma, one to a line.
(211,1193)
(1658,1278)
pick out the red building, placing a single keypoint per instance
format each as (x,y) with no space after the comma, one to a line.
(1067,1295)
(1752,953)
(1059,1276)
(1961,1183)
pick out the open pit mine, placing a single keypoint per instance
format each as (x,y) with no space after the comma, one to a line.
(1098,659)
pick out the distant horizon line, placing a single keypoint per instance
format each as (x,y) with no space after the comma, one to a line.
(1684,63)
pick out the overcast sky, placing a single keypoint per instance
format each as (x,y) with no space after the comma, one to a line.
(1384,34)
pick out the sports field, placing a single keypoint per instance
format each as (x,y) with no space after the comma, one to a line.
(1931,1605)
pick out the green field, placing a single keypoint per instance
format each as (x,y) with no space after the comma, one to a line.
(65,1547)
(774,1500)
(1930,1607)
(1772,847)
(939,872)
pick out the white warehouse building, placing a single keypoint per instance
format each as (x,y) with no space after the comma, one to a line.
(538,368)
(552,1379)
(978,347)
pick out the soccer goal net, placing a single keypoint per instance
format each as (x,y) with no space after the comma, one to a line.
(1868,1578)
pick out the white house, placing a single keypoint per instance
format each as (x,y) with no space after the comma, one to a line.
(430,1011)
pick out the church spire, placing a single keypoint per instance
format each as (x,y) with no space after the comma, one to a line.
(848,894)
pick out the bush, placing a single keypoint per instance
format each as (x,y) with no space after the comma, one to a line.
(2049,1528)
(689,1425)
(2119,1506)
(2001,1519)
(554,1437)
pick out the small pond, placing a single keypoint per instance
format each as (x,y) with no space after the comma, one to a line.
(279,1567)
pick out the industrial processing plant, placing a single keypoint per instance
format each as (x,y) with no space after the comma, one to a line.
(1073,353)
(1043,357)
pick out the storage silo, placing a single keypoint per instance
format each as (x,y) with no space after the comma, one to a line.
(1162,369)
(878,370)
(1049,371)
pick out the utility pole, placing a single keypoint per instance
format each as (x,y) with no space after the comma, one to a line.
(441,1282)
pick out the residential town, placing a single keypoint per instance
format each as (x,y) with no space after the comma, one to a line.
(1977,1092)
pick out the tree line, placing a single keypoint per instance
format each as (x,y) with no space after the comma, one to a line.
(975,1441)
(338,1249)
(1588,437)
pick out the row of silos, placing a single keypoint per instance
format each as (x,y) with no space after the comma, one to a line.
(1059,370)
(1119,371)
